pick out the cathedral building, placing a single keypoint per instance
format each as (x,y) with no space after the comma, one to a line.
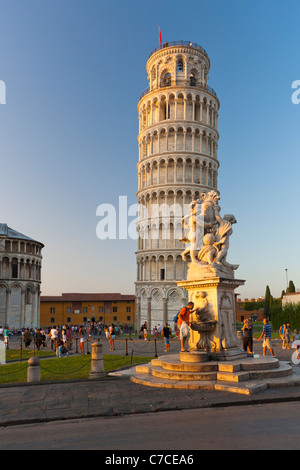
(20,279)
(178,161)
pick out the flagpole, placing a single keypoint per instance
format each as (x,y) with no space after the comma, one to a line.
(159,35)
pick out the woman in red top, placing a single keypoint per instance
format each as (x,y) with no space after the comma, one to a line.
(184,316)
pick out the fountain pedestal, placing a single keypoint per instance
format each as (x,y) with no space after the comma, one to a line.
(213,326)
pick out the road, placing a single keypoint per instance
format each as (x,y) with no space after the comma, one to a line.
(261,427)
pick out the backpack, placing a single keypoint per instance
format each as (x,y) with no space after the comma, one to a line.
(175,319)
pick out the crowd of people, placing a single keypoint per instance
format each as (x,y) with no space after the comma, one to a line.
(164,332)
(62,337)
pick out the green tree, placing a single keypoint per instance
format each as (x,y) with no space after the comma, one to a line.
(291,288)
(267,301)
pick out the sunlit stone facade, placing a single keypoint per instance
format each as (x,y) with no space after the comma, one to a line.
(20,279)
(178,160)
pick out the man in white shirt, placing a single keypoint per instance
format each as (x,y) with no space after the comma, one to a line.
(53,336)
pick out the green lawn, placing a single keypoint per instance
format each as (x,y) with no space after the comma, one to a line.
(76,367)
(13,355)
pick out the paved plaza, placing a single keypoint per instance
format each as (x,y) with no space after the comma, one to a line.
(117,395)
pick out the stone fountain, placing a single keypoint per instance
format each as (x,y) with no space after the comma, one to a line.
(215,359)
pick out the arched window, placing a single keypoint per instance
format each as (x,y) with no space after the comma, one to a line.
(180,65)
(166,79)
(193,80)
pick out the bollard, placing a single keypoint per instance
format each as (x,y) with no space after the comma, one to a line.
(34,370)
(126,349)
(97,367)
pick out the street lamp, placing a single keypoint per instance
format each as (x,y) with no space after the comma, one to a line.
(287,278)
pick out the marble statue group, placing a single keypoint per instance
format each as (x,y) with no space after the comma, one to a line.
(207,235)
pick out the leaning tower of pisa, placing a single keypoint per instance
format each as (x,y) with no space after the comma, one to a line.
(178,142)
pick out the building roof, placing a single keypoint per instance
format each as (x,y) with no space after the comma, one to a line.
(10,233)
(77,297)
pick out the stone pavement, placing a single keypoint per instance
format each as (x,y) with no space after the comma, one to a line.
(117,395)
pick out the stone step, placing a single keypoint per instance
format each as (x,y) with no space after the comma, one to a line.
(246,388)
(249,364)
(151,381)
(237,377)
(173,363)
(182,375)
(283,370)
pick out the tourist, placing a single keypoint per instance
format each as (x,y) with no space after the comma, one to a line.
(106,332)
(64,334)
(166,335)
(287,336)
(43,336)
(53,335)
(145,331)
(27,338)
(296,335)
(69,339)
(281,333)
(112,335)
(81,346)
(38,339)
(6,336)
(247,337)
(183,324)
(267,336)
(61,351)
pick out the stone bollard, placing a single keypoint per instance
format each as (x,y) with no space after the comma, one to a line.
(97,367)
(34,370)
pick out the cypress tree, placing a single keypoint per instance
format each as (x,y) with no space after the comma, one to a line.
(291,288)
(267,302)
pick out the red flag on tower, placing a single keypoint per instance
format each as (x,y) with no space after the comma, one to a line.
(159,32)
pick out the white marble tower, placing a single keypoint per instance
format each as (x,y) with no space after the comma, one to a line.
(178,161)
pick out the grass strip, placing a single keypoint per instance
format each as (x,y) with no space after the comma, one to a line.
(68,368)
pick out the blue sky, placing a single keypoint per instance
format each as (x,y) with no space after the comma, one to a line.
(74,71)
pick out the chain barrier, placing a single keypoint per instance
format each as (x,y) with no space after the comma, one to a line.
(66,373)
(14,372)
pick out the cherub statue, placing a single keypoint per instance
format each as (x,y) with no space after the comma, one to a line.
(222,235)
(193,233)
(203,311)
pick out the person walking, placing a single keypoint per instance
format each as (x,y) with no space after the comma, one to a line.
(53,335)
(287,335)
(145,331)
(81,342)
(38,339)
(27,338)
(166,335)
(6,337)
(112,335)
(267,336)
(281,333)
(183,324)
(69,339)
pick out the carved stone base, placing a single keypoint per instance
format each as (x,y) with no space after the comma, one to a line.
(222,343)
